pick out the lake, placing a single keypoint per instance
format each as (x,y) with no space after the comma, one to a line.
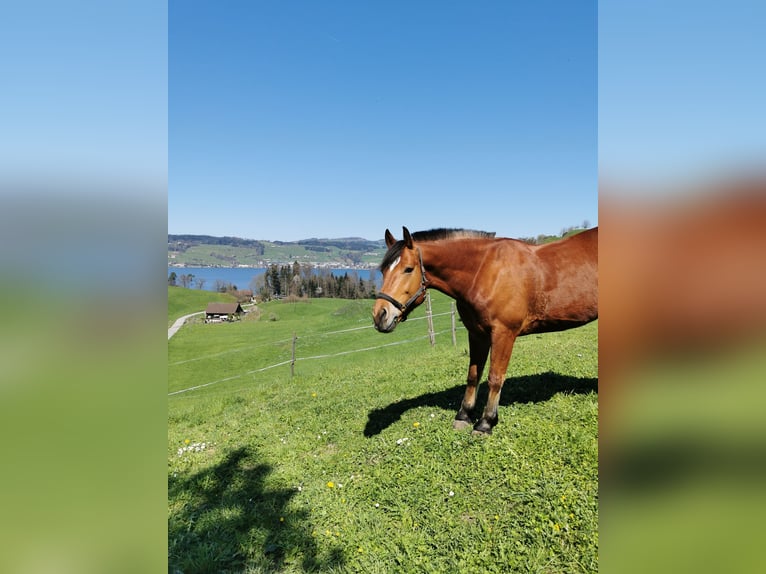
(242,277)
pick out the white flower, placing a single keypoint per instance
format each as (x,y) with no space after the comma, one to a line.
(451,493)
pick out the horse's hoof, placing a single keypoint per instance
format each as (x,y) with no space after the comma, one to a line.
(482,428)
(460,425)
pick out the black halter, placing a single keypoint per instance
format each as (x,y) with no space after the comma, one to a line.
(411,302)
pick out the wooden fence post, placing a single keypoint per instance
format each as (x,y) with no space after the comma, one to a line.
(454,339)
(429,316)
(292,361)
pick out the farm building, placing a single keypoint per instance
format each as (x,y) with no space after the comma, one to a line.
(217,312)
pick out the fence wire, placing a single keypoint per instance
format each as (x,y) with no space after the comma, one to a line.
(312,358)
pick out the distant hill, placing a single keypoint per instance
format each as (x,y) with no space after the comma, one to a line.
(209,251)
(343,252)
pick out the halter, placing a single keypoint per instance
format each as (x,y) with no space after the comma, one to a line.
(410,304)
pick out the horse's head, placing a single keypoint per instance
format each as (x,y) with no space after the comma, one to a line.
(404,283)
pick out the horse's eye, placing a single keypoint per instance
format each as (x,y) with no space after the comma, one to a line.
(409,269)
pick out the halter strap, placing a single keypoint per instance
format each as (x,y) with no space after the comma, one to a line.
(405,308)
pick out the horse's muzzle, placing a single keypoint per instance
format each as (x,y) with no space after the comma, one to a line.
(385,317)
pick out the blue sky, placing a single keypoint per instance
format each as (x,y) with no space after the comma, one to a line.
(290,120)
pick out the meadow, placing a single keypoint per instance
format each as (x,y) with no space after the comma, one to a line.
(351,464)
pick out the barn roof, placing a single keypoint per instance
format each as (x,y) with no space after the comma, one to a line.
(223,308)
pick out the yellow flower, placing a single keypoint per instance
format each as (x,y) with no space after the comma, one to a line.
(281,518)
(556,527)
(331,484)
(313,395)
(187,441)
(416,424)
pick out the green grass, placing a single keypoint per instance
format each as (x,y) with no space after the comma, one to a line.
(352,465)
(184,301)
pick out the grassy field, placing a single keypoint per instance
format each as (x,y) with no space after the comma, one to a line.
(351,465)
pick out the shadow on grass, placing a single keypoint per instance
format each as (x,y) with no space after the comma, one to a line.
(226,519)
(525,389)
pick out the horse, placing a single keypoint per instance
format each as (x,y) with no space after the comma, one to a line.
(504,288)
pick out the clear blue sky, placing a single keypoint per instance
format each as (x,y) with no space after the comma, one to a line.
(290,120)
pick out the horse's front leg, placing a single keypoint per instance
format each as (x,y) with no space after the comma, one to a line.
(478,345)
(502,346)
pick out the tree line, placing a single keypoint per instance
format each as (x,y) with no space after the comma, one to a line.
(281,281)
(304,281)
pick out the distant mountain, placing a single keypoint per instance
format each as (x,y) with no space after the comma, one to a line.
(210,251)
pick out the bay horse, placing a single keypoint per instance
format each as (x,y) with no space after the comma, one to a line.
(504,288)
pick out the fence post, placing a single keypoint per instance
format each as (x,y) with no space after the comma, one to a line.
(292,361)
(454,339)
(429,315)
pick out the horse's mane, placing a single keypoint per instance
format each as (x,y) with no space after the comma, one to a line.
(433,235)
(441,233)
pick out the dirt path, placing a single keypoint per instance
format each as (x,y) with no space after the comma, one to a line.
(179,322)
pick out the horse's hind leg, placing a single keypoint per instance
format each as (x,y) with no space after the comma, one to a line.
(502,345)
(478,345)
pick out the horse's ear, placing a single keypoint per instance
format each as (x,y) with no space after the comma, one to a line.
(390,240)
(407,237)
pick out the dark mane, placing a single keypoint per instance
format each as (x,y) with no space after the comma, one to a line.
(441,233)
(432,235)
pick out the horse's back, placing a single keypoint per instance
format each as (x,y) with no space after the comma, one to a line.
(566,295)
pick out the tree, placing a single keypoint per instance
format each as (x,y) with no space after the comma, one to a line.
(186,279)
(273,282)
(201,282)
(172,279)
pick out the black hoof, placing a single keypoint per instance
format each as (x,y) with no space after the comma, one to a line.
(482,428)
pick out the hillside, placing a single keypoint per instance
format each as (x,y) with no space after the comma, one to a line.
(345,459)
(344,252)
(205,251)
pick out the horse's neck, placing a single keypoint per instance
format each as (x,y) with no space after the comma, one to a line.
(450,268)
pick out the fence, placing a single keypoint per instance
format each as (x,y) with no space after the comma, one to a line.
(294,358)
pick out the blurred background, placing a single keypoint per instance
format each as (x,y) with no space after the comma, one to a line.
(682,208)
(83,216)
